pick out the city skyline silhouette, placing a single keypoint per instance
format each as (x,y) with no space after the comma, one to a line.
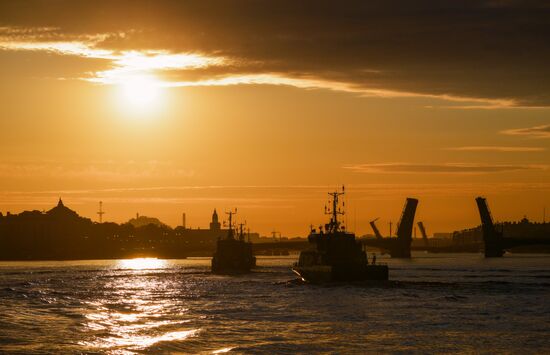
(181,107)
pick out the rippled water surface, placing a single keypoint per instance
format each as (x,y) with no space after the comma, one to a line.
(435,303)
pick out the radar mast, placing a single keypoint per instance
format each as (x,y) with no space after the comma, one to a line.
(335,210)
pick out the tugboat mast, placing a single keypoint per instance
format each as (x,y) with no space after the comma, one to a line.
(241,231)
(335,254)
(230,234)
(233,255)
(334,225)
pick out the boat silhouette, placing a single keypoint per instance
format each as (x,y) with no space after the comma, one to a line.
(335,254)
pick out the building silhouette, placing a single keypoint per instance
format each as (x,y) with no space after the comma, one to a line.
(207,236)
(61,234)
(215,224)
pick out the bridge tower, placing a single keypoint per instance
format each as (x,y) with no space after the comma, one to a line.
(375,228)
(399,247)
(491,237)
(404,230)
(423,232)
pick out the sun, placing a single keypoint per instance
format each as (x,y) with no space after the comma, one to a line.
(140,93)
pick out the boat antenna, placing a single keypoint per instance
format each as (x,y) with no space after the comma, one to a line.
(335,210)
(241,231)
(231,213)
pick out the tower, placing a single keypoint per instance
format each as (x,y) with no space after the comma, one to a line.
(100,212)
(215,224)
(183,220)
(491,236)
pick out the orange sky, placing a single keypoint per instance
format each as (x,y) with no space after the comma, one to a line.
(158,115)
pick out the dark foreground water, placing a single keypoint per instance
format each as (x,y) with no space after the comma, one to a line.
(437,303)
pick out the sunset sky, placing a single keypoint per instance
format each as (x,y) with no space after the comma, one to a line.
(164,107)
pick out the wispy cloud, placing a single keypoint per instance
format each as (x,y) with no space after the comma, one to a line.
(129,64)
(542,131)
(76,48)
(166,68)
(448,168)
(125,64)
(37,33)
(496,149)
(287,38)
(267,196)
(101,171)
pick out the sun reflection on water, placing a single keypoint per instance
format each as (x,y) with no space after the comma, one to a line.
(142,263)
(139,342)
(133,311)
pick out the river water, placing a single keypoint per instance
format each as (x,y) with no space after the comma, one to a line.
(435,303)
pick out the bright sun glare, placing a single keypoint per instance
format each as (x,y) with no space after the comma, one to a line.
(142,263)
(140,93)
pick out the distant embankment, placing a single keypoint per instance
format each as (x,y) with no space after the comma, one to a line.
(164,250)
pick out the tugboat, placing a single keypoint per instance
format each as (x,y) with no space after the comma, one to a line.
(233,254)
(335,255)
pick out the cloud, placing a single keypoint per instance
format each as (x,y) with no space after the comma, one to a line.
(123,64)
(448,168)
(110,171)
(265,197)
(497,149)
(492,53)
(172,69)
(542,131)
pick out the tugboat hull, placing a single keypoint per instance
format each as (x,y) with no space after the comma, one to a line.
(335,255)
(232,266)
(314,274)
(233,257)
(325,273)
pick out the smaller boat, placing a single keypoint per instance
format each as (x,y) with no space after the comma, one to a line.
(233,254)
(335,255)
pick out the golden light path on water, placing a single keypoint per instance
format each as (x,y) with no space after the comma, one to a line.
(137,310)
(142,263)
(150,306)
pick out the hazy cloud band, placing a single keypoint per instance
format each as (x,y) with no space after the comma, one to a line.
(493,52)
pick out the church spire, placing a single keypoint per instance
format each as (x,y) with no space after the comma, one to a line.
(215,224)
